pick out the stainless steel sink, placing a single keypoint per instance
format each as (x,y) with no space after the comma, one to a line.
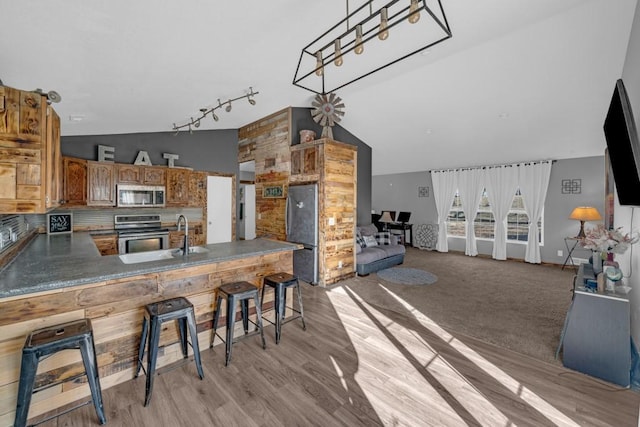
(137,257)
(149,256)
(192,250)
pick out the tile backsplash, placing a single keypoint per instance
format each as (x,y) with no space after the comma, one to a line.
(12,229)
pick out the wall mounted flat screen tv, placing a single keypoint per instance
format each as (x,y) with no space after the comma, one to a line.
(623,146)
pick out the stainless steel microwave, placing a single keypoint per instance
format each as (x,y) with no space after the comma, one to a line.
(141,196)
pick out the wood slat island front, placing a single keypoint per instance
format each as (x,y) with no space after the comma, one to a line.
(114,300)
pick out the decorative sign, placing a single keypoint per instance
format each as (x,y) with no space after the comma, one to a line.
(107,153)
(59,223)
(274,191)
(423,191)
(571,186)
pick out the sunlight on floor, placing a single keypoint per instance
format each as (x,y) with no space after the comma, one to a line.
(414,365)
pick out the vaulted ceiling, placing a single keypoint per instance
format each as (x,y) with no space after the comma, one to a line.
(519,80)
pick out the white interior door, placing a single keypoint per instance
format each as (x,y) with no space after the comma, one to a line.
(250,211)
(219,209)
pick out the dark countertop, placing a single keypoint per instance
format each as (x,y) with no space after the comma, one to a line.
(59,261)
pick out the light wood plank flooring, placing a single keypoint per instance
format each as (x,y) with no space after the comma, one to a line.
(362,365)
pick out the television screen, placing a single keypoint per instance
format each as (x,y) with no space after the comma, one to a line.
(623,146)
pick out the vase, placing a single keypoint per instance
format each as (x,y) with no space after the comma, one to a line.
(596,260)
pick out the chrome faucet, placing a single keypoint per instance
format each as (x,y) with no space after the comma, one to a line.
(185,247)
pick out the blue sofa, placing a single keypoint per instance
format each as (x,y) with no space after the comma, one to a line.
(384,254)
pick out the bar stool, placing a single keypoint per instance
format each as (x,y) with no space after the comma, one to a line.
(240,292)
(156,314)
(42,343)
(280,282)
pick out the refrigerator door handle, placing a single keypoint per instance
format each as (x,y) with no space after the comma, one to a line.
(286,217)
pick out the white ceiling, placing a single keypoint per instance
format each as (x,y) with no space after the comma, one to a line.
(519,80)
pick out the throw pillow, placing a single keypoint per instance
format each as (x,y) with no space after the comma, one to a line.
(370,241)
(360,240)
(383,238)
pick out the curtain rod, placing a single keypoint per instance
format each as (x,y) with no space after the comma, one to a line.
(492,166)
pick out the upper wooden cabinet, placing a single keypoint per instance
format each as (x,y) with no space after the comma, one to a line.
(75,181)
(198,189)
(101,188)
(29,153)
(128,174)
(304,163)
(154,175)
(53,185)
(178,187)
(142,175)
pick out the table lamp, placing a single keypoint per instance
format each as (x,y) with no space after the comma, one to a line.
(582,214)
(385,218)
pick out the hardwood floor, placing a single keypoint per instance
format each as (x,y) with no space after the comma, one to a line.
(361,365)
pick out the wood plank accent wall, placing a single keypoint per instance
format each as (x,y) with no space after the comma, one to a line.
(116,309)
(267,141)
(333,165)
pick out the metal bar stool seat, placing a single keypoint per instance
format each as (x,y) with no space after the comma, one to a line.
(240,292)
(42,343)
(280,282)
(155,315)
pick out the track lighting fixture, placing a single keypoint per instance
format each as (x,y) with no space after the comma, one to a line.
(370,23)
(204,111)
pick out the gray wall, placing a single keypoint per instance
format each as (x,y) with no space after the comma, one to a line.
(207,150)
(301,119)
(399,192)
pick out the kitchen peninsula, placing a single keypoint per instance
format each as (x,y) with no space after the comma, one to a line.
(59,278)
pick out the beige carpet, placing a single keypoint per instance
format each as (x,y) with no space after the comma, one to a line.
(516,305)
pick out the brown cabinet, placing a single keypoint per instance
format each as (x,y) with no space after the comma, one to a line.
(29,153)
(107,244)
(100,184)
(142,175)
(198,189)
(177,187)
(128,174)
(75,181)
(154,175)
(53,196)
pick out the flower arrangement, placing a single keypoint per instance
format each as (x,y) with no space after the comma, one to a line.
(600,239)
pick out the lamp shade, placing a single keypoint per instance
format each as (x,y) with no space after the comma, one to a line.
(585,213)
(386,217)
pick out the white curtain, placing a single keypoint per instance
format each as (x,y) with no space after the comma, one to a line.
(470,186)
(444,190)
(533,180)
(501,183)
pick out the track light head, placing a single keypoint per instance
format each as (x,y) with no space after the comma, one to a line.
(228,107)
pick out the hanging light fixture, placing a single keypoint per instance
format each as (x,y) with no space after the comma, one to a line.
(204,111)
(319,66)
(359,43)
(337,49)
(370,24)
(414,12)
(383,34)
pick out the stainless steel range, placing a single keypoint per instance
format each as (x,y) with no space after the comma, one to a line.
(140,233)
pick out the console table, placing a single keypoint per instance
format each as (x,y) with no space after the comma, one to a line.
(404,227)
(597,335)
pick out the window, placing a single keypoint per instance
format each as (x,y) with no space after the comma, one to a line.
(517,220)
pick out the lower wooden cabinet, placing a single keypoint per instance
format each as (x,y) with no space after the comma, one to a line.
(107,244)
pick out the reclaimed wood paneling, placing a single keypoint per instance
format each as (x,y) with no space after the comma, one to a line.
(268,141)
(116,308)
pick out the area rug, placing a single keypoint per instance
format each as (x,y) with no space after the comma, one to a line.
(407,276)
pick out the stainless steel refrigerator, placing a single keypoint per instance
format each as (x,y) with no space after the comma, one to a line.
(302,228)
